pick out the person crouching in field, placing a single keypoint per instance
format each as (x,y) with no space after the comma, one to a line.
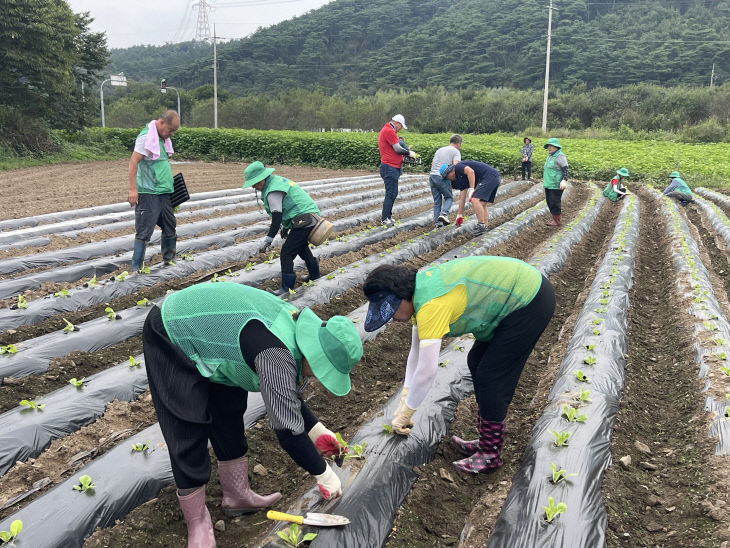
(441,190)
(615,190)
(505,303)
(151,187)
(205,350)
(678,189)
(481,180)
(292,210)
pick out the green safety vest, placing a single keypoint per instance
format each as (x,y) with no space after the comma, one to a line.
(495,286)
(154,176)
(205,322)
(683,187)
(610,193)
(296,200)
(551,175)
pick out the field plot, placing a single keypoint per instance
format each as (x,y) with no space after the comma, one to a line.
(638,343)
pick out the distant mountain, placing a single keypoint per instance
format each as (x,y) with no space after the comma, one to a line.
(360,46)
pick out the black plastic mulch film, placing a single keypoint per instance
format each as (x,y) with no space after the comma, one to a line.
(597,349)
(125,243)
(132,481)
(711,330)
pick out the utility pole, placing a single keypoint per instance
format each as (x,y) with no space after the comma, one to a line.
(215,81)
(712,75)
(547,68)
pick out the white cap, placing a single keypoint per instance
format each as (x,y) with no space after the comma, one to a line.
(399,118)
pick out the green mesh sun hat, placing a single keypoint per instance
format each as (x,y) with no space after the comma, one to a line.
(254,173)
(623,172)
(674,174)
(552,141)
(332,348)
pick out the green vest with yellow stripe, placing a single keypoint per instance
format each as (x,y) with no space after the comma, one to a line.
(205,322)
(495,286)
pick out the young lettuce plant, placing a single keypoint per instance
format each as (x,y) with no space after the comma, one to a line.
(589,360)
(725,370)
(291,537)
(560,438)
(573,414)
(62,293)
(85,484)
(91,282)
(140,447)
(144,302)
(584,395)
(388,429)
(553,510)
(122,276)
(559,475)
(134,363)
(69,326)
(8,536)
(144,269)
(9,349)
(30,404)
(582,377)
(22,302)
(78,383)
(111,315)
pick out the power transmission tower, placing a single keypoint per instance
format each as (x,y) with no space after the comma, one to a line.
(202,31)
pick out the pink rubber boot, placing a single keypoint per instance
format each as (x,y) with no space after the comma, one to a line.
(489,454)
(197,518)
(465,447)
(238,497)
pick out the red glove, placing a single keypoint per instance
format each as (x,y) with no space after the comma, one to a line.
(325,441)
(471,194)
(459,220)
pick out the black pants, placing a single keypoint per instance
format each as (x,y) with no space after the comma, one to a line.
(553,197)
(151,210)
(496,365)
(526,166)
(296,243)
(191,410)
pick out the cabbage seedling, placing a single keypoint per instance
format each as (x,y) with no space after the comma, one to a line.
(62,293)
(9,349)
(590,360)
(270,259)
(291,291)
(78,383)
(358,449)
(122,276)
(597,321)
(560,438)
(91,282)
(144,269)
(710,326)
(187,256)
(140,447)
(133,362)
(589,346)
(718,341)
(291,537)
(30,404)
(217,278)
(85,484)
(69,326)
(230,272)
(15,528)
(596,331)
(553,510)
(388,429)
(584,395)
(573,415)
(443,363)
(144,302)
(22,302)
(725,370)
(342,270)
(111,315)
(603,301)
(559,475)
(582,377)
(249,266)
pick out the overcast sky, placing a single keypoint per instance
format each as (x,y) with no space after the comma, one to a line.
(156,22)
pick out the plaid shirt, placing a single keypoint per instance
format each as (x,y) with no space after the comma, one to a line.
(527,151)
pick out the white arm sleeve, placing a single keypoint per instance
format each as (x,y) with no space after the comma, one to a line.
(412,358)
(428,361)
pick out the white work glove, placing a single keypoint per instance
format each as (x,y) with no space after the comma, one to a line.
(563,184)
(402,420)
(324,440)
(470,194)
(329,484)
(412,154)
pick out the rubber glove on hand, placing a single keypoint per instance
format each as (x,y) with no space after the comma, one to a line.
(563,184)
(329,484)
(471,193)
(267,243)
(402,420)
(412,154)
(324,441)
(459,220)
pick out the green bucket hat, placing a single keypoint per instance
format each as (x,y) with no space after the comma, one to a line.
(552,141)
(254,173)
(332,348)
(674,174)
(623,172)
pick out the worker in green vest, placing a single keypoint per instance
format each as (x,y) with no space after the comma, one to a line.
(615,190)
(505,303)
(554,178)
(151,187)
(205,349)
(678,189)
(292,210)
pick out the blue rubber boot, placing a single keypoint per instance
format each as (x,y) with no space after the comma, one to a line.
(287,283)
(138,254)
(168,250)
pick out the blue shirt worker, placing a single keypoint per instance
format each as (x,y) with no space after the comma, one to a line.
(678,189)
(151,187)
(443,197)
(205,349)
(481,182)
(292,209)
(505,303)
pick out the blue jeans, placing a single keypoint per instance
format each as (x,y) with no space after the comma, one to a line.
(390,177)
(442,194)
